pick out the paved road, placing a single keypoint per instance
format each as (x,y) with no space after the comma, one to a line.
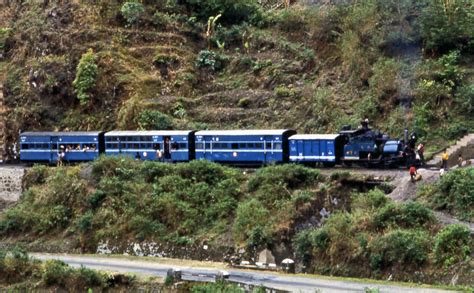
(270,280)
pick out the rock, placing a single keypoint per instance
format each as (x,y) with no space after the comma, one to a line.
(265,257)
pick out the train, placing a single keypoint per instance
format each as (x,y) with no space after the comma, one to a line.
(361,146)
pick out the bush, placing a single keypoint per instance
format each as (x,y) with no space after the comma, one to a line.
(399,247)
(211,60)
(454,193)
(84,222)
(56,272)
(154,119)
(447,25)
(36,175)
(243,103)
(452,244)
(411,214)
(233,11)
(284,92)
(89,278)
(251,222)
(374,199)
(289,175)
(132,10)
(86,75)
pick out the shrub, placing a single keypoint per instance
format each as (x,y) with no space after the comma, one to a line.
(251,222)
(452,244)
(132,10)
(292,20)
(447,25)
(86,75)
(289,175)
(284,92)
(84,222)
(400,247)
(211,60)
(154,119)
(243,103)
(96,198)
(56,272)
(411,214)
(89,278)
(374,199)
(233,11)
(454,193)
(36,175)
(162,59)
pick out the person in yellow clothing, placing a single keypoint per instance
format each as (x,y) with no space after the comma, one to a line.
(444,158)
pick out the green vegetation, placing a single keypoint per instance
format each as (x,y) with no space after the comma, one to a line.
(454,193)
(211,59)
(20,271)
(378,235)
(132,10)
(314,68)
(86,75)
(154,119)
(119,200)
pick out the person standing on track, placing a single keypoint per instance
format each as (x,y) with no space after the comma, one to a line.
(445,158)
(421,150)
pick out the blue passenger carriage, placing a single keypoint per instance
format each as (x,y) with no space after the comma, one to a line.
(316,148)
(175,146)
(38,146)
(243,146)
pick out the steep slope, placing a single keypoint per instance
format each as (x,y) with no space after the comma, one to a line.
(312,68)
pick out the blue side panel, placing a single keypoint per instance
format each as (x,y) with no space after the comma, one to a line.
(148,150)
(35,147)
(240,149)
(312,150)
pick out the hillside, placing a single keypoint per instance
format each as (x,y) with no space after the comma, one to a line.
(311,68)
(334,225)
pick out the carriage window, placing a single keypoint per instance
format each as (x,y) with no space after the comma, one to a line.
(235,146)
(277,145)
(269,145)
(88,147)
(54,146)
(208,145)
(183,145)
(156,146)
(146,145)
(24,146)
(242,146)
(199,145)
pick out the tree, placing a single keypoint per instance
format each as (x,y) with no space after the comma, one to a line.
(132,11)
(86,75)
(446,25)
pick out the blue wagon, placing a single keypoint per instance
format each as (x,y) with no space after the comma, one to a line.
(176,146)
(316,148)
(247,147)
(37,146)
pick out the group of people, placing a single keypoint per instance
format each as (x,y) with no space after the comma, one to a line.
(444,162)
(62,150)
